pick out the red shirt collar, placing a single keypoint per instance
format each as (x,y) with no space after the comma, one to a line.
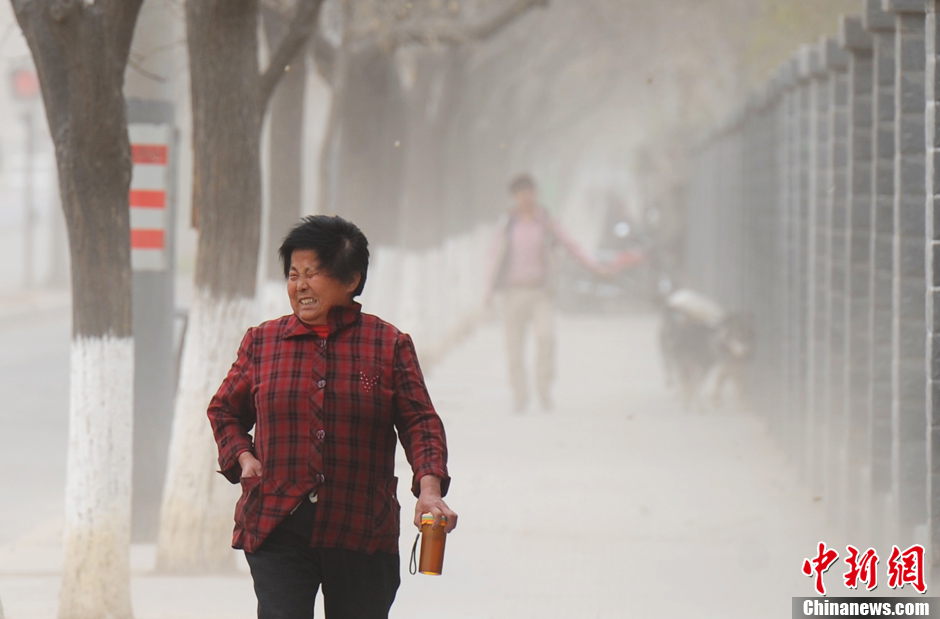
(339,317)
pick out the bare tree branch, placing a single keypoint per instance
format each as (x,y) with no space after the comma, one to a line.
(454,34)
(443,31)
(302,26)
(135,64)
(490,27)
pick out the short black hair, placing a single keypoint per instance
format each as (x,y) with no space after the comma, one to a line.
(342,248)
(520,182)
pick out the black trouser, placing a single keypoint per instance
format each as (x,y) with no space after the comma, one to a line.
(287,573)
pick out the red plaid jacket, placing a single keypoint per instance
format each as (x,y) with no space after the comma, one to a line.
(325,413)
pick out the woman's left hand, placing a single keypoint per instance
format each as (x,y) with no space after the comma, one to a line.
(438,507)
(430,500)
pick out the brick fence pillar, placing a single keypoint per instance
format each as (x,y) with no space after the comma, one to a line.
(803,196)
(858,42)
(909,351)
(881,25)
(831,221)
(782,270)
(802,123)
(932,130)
(817,270)
(787,122)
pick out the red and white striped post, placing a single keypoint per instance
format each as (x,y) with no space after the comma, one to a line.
(148,196)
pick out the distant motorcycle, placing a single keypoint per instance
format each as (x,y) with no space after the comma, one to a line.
(620,247)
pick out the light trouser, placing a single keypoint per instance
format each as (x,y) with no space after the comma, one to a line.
(525,306)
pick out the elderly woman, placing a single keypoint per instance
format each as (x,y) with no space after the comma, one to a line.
(325,389)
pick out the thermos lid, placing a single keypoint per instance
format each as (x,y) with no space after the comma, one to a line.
(427,518)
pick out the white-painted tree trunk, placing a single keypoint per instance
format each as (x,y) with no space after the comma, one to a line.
(273,297)
(382,291)
(96,576)
(196,515)
(435,294)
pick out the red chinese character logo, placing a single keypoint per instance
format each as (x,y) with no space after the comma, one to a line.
(819,564)
(862,568)
(907,568)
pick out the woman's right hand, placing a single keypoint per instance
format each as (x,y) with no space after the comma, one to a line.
(251,466)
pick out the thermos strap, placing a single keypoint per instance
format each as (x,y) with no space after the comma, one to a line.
(413,563)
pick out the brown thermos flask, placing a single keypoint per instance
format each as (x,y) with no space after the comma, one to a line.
(433,536)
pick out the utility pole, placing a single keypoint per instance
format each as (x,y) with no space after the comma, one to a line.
(151,83)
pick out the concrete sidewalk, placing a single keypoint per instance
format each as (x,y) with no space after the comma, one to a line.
(616,504)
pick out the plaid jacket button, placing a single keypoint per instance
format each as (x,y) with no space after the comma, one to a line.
(321,434)
(321,478)
(321,383)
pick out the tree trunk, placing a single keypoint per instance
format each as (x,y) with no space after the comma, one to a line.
(431,103)
(327,168)
(440,293)
(195,528)
(362,162)
(80,52)
(285,151)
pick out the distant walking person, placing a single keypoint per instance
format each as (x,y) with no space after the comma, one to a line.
(327,390)
(523,271)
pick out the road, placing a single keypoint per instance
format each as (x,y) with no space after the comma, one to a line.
(34,391)
(615,504)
